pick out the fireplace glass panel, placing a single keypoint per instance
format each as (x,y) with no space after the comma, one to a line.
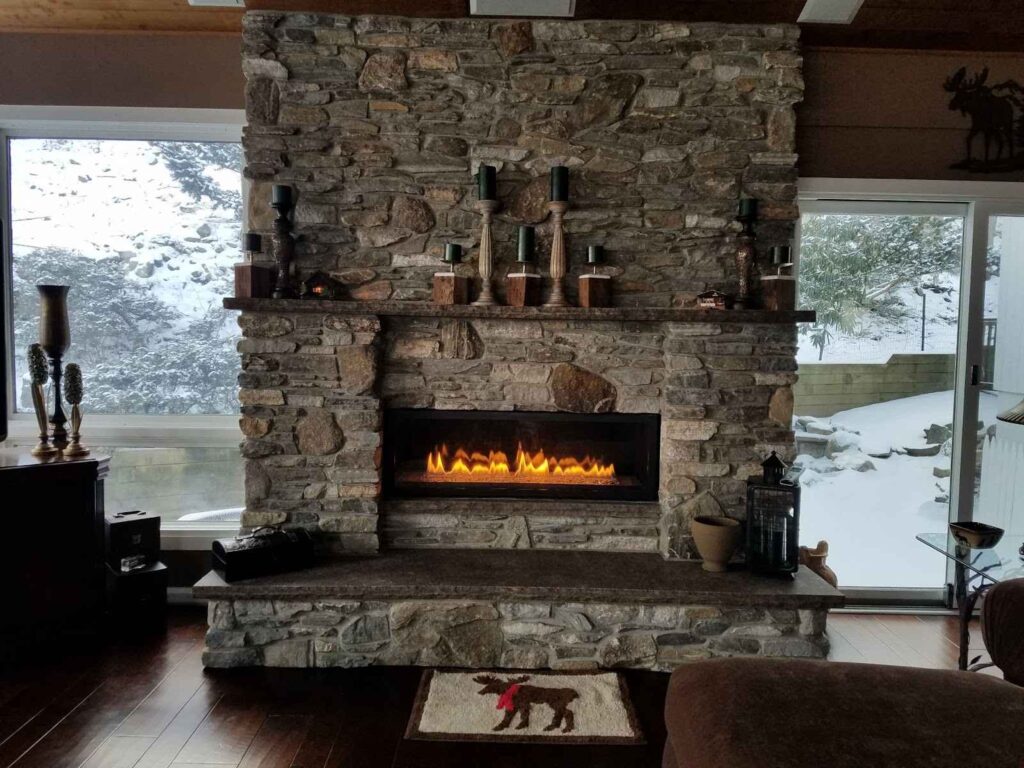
(520,454)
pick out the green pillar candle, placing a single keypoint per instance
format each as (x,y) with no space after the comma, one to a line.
(748,208)
(281,196)
(486,177)
(559,183)
(595,254)
(452,253)
(781,254)
(527,241)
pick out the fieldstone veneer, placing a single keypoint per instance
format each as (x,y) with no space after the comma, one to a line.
(315,384)
(379,123)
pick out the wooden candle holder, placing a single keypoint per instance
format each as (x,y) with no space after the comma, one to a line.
(523,289)
(450,288)
(595,290)
(558,264)
(778,292)
(486,209)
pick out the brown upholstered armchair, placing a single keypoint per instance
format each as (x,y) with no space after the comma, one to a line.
(1002,626)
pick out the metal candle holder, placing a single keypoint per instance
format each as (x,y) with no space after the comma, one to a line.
(745,252)
(55,338)
(283,246)
(486,209)
(558,265)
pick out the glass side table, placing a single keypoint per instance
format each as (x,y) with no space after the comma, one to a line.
(975,571)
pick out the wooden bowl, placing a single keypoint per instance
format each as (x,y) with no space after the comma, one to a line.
(976,535)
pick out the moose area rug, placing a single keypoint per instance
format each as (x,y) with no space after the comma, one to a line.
(539,707)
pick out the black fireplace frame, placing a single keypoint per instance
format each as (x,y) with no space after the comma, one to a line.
(649,459)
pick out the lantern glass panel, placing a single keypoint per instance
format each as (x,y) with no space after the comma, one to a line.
(773,528)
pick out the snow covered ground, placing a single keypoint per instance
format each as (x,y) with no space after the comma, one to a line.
(870,517)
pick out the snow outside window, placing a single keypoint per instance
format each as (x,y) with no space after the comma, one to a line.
(145,233)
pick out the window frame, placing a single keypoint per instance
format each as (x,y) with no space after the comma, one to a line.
(138,124)
(114,123)
(977,201)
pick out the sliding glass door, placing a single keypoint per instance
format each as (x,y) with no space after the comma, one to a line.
(875,401)
(917,348)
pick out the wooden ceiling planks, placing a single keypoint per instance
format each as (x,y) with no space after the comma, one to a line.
(116,16)
(971,25)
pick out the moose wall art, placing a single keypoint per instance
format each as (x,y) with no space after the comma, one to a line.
(995,140)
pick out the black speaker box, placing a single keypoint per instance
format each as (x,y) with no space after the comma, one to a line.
(131,535)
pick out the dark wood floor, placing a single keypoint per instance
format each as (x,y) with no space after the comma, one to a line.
(149,704)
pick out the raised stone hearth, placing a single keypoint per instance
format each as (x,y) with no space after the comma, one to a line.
(565,610)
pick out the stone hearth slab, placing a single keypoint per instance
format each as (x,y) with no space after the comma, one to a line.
(529,575)
(515,610)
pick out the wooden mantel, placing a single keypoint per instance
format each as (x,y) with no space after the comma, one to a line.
(468,311)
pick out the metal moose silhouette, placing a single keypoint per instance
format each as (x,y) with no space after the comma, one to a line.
(997,116)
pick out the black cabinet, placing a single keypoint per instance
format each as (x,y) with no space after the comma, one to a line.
(51,550)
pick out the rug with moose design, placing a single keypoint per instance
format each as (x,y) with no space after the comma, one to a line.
(549,707)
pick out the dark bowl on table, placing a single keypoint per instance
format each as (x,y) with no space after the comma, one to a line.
(976,535)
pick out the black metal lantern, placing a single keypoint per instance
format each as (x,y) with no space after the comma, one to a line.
(773,520)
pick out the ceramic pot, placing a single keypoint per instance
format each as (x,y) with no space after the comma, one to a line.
(717,539)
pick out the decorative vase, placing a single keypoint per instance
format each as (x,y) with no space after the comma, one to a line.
(716,539)
(55,338)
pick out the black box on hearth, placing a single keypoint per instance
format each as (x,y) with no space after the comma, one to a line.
(131,539)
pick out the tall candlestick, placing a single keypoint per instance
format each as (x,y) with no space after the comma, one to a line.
(487,209)
(55,338)
(559,183)
(558,265)
(282,242)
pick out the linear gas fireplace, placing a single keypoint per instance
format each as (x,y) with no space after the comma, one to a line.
(520,454)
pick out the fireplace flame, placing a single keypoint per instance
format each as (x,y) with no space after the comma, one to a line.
(494,466)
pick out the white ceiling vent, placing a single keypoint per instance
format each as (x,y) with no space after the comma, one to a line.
(562,8)
(829,11)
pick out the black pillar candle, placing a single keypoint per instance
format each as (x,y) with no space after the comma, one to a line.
(281,196)
(781,255)
(486,177)
(595,254)
(527,241)
(748,208)
(252,242)
(559,183)
(452,253)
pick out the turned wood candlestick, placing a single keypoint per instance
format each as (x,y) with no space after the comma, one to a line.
(558,265)
(486,209)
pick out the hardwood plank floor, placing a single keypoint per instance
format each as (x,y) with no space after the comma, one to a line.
(150,704)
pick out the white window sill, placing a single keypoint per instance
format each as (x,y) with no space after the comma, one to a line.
(177,537)
(103,430)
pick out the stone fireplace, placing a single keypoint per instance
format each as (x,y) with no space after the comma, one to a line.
(499,485)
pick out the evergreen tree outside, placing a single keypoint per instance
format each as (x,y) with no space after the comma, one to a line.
(855,271)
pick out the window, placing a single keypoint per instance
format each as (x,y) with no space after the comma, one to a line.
(143,221)
(904,373)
